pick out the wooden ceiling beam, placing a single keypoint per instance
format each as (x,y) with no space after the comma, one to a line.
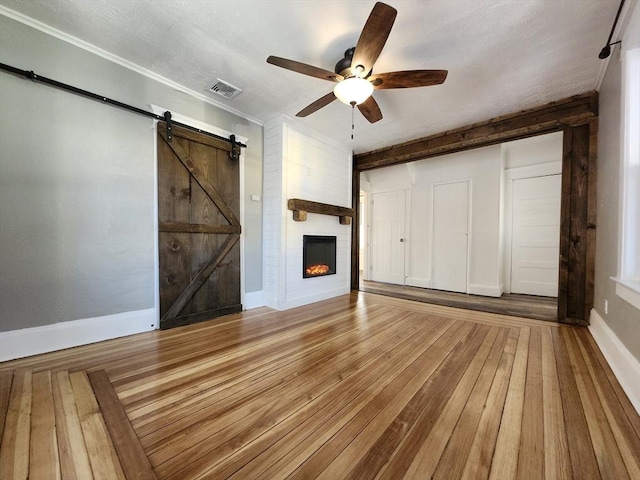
(547,118)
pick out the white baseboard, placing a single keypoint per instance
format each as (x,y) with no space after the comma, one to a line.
(418,282)
(253,300)
(486,290)
(624,365)
(48,338)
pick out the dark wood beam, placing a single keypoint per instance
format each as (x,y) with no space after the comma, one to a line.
(548,118)
(302,207)
(578,224)
(355,230)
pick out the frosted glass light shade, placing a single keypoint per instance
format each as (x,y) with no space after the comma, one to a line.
(354,89)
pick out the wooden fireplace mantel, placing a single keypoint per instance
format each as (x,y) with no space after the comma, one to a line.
(302,207)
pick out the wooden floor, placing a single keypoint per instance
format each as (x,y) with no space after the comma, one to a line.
(71,426)
(527,306)
(361,386)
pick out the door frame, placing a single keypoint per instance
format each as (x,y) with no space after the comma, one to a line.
(577,118)
(365,233)
(469,226)
(511,174)
(192,122)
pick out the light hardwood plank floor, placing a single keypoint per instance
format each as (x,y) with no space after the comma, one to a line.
(360,386)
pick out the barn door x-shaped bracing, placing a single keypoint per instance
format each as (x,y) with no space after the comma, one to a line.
(198,209)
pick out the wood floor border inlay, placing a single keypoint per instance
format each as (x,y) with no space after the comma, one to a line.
(66,425)
(132,457)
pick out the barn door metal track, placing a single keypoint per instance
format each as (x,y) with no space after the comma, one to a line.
(30,75)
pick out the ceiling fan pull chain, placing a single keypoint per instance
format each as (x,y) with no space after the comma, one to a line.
(353,107)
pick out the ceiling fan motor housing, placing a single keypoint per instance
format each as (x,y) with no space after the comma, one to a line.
(343,67)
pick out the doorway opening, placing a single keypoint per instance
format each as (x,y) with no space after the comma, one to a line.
(478,229)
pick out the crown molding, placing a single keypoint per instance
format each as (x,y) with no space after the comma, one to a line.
(19,17)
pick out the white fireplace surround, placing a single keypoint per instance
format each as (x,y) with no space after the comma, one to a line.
(301,163)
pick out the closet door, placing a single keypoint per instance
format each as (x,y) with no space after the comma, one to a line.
(387,237)
(450,236)
(535,242)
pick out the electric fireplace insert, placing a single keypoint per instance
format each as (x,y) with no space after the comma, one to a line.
(318,255)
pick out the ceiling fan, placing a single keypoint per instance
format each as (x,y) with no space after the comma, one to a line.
(354,73)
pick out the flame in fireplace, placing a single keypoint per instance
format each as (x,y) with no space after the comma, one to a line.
(318,269)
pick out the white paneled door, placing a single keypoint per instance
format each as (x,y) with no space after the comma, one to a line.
(450,236)
(387,237)
(536,235)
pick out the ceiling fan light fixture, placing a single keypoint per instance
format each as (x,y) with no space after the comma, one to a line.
(354,90)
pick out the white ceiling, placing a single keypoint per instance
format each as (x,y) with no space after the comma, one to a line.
(502,55)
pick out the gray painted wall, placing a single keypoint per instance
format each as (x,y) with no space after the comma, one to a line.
(622,318)
(77,182)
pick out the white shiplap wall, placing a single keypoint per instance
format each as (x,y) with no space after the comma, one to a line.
(300,163)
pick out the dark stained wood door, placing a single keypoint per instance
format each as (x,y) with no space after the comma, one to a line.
(198,210)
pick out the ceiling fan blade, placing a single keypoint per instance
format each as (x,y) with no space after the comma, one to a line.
(408,79)
(304,69)
(370,109)
(317,105)
(373,37)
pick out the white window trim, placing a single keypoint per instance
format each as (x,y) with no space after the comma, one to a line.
(628,290)
(628,282)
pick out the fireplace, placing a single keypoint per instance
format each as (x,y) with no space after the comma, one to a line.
(318,256)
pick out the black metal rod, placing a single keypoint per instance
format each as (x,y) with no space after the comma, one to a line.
(615,22)
(30,75)
(606,51)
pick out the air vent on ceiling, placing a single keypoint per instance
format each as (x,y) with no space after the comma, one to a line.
(225,89)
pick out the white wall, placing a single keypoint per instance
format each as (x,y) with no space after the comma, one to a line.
(533,151)
(485,169)
(621,318)
(482,167)
(301,163)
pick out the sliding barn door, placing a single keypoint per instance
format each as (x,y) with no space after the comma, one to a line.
(198,210)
